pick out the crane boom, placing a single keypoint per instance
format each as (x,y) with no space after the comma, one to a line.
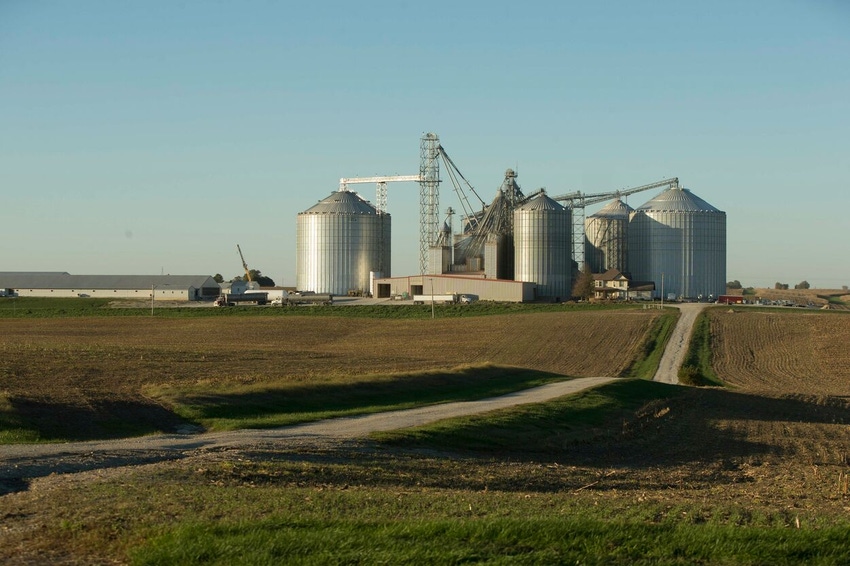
(579,199)
(380,179)
(244,264)
(576,201)
(381,183)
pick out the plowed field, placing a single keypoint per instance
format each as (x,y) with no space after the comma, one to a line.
(786,352)
(85,365)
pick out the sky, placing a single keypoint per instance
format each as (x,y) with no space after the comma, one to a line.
(153,137)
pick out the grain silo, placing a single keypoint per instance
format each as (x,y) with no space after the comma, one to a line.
(543,246)
(339,241)
(680,238)
(606,238)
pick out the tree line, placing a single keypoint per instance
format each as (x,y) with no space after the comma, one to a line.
(255,274)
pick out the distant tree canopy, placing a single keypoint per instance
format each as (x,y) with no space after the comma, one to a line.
(781,286)
(734,285)
(583,287)
(218,278)
(257,277)
(802,285)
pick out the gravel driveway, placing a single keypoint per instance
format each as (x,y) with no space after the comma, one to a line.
(23,462)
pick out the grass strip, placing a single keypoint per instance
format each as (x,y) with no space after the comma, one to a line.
(646,364)
(542,427)
(14,429)
(697,369)
(270,406)
(37,307)
(572,540)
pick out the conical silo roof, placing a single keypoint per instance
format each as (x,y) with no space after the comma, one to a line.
(541,202)
(678,200)
(614,209)
(342,202)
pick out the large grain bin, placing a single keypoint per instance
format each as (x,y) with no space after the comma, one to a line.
(606,238)
(543,246)
(339,241)
(682,238)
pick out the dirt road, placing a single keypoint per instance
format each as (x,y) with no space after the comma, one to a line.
(677,346)
(20,463)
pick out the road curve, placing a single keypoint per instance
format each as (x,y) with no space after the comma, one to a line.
(22,462)
(19,461)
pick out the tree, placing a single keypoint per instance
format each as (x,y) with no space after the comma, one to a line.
(734,285)
(261,279)
(257,277)
(583,287)
(802,285)
(781,286)
(218,278)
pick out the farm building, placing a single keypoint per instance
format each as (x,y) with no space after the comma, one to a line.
(480,287)
(614,284)
(62,284)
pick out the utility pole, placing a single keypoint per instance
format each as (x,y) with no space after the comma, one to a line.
(431,279)
(662,290)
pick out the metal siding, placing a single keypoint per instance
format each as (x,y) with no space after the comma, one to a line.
(485,289)
(336,252)
(543,249)
(688,247)
(606,243)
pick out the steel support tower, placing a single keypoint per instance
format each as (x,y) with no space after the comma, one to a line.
(429,196)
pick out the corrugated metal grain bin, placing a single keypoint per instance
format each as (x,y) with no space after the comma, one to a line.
(543,246)
(339,241)
(681,236)
(606,238)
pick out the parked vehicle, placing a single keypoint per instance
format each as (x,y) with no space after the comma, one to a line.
(233,299)
(293,299)
(442,299)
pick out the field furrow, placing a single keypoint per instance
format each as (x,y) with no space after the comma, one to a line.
(783,351)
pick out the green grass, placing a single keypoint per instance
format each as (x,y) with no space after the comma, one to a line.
(227,408)
(835,299)
(46,307)
(529,540)
(649,357)
(542,427)
(697,369)
(14,429)
(37,307)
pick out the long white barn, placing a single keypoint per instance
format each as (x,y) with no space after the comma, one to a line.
(62,284)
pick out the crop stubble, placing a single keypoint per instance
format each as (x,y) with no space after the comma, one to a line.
(84,362)
(783,352)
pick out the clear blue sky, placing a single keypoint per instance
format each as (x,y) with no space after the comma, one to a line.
(153,136)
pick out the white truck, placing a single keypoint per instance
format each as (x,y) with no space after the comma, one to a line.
(445,299)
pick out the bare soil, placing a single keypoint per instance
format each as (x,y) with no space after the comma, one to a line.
(96,370)
(782,352)
(775,444)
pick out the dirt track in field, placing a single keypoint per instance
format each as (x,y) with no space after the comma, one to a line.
(96,370)
(803,411)
(677,345)
(777,444)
